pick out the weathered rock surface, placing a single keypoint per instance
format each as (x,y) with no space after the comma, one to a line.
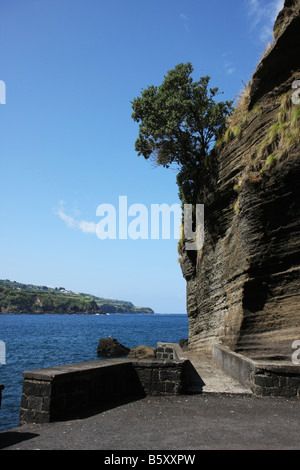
(110,347)
(142,352)
(243,288)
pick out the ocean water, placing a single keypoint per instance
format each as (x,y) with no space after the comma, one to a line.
(38,341)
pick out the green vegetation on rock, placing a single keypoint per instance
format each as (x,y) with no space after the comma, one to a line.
(16,297)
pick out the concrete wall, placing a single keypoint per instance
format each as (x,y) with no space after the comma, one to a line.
(264,378)
(55,393)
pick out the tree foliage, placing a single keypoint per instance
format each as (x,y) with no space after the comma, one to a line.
(178,123)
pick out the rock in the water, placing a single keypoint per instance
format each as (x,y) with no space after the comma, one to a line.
(142,352)
(110,347)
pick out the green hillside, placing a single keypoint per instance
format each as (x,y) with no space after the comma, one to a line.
(16,297)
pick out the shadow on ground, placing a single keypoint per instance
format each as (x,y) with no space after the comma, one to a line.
(10,438)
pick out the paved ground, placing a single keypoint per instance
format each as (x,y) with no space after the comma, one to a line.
(224,416)
(189,422)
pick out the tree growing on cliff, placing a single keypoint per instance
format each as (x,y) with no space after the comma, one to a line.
(178,123)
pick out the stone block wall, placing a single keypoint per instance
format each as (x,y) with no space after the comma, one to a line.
(168,351)
(55,393)
(280,379)
(159,377)
(164,351)
(274,383)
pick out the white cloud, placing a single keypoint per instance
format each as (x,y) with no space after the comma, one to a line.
(263,14)
(229,68)
(230,71)
(71,222)
(185,20)
(227,63)
(87,227)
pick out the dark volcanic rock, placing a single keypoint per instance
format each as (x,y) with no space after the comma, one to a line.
(289,10)
(110,347)
(278,66)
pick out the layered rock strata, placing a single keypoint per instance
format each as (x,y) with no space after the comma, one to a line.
(243,287)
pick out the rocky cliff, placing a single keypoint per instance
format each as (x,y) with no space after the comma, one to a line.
(243,286)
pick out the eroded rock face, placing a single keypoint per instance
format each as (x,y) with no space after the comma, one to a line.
(278,67)
(243,288)
(288,11)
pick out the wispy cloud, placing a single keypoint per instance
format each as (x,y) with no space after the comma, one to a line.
(229,68)
(228,64)
(262,14)
(71,222)
(185,21)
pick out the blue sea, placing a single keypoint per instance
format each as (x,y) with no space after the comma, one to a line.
(38,341)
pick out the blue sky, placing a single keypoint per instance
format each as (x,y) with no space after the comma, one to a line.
(71,69)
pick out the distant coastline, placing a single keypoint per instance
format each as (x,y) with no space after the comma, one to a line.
(17,298)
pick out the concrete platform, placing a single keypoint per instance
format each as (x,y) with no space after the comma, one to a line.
(211,378)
